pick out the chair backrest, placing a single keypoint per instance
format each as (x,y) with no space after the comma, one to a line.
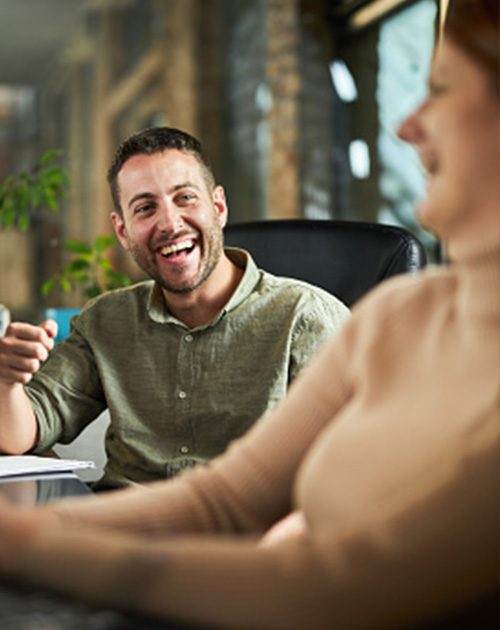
(346,258)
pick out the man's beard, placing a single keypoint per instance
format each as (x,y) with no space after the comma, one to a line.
(212,247)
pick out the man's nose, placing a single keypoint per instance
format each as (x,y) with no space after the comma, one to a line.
(169,218)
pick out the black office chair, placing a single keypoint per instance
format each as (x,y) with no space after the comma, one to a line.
(346,258)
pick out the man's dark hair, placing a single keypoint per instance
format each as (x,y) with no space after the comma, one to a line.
(156,140)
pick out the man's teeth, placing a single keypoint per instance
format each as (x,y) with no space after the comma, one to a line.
(176,247)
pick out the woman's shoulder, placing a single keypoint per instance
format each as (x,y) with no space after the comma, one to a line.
(424,289)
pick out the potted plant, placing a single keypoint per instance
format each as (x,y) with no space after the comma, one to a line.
(27,194)
(89,270)
(88,267)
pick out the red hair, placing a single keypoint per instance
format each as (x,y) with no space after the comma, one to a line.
(474,26)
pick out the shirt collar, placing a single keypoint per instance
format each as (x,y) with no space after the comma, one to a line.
(158,310)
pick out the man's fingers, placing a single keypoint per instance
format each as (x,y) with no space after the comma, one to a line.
(18,347)
(19,360)
(24,348)
(26,332)
(50,327)
(43,334)
(24,363)
(13,376)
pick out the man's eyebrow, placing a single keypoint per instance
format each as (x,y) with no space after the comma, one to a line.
(187,184)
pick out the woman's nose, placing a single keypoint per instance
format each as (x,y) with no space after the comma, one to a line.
(410,130)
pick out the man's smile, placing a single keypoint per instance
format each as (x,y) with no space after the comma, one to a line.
(186,245)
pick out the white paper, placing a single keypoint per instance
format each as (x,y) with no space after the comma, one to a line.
(16,465)
(4,319)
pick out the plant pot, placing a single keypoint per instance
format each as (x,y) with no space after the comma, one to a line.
(62,316)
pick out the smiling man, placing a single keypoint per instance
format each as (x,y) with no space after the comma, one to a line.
(185,361)
(170,217)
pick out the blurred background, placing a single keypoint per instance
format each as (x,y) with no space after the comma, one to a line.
(296,102)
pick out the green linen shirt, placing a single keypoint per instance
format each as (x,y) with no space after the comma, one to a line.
(178,396)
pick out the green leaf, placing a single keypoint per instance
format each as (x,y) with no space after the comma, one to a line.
(93,291)
(120,279)
(51,201)
(44,185)
(19,199)
(105,264)
(36,197)
(7,181)
(86,262)
(48,285)
(78,264)
(49,156)
(103,241)
(7,216)
(65,284)
(24,222)
(79,247)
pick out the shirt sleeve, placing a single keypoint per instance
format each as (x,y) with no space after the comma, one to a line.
(319,318)
(66,393)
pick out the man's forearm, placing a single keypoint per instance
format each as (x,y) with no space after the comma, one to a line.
(18,425)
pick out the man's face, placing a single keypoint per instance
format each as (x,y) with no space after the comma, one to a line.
(172,222)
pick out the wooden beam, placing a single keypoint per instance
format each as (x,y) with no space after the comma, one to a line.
(121,95)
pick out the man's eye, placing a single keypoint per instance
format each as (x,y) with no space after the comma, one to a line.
(186,198)
(144,208)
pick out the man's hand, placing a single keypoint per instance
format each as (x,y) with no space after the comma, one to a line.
(23,349)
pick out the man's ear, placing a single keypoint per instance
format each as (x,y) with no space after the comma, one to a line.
(220,205)
(120,229)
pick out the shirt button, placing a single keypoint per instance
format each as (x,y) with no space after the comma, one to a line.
(188,338)
(184,450)
(182,394)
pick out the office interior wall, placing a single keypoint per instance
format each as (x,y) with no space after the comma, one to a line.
(251,78)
